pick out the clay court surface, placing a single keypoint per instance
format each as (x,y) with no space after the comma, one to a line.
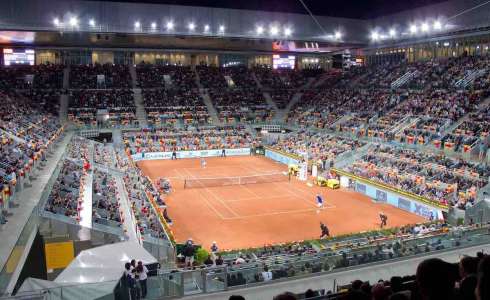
(253,215)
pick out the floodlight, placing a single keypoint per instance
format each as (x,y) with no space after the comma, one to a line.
(274,30)
(170,25)
(392,32)
(413,28)
(287,31)
(73,21)
(56,21)
(338,35)
(221,28)
(191,26)
(259,30)
(437,25)
(424,27)
(137,24)
(153,25)
(374,35)
(206,28)
(91,22)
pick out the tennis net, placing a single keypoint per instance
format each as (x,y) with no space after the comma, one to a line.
(237,180)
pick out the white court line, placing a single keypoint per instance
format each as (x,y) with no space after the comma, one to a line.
(294,190)
(206,201)
(214,195)
(273,213)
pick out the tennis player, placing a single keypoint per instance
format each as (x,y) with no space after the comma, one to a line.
(319,201)
(203,163)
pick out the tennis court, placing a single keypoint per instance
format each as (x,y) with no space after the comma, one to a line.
(255,214)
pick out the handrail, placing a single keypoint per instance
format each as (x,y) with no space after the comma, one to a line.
(391,188)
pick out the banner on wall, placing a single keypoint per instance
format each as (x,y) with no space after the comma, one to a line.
(281,157)
(189,154)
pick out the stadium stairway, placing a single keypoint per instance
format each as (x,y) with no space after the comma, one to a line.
(281,114)
(140,108)
(464,118)
(269,101)
(254,76)
(209,105)
(27,199)
(198,79)
(66,77)
(63,108)
(134,78)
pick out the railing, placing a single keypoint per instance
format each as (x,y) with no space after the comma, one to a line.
(179,283)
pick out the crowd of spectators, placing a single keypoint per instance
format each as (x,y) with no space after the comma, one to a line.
(322,148)
(119,103)
(104,155)
(240,105)
(167,139)
(445,180)
(212,77)
(171,106)
(282,97)
(85,76)
(105,202)
(44,76)
(153,76)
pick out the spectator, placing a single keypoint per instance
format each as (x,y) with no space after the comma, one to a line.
(435,280)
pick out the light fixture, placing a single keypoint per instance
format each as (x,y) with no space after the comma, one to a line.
(56,21)
(170,25)
(73,21)
(287,31)
(259,30)
(206,28)
(153,25)
(437,25)
(337,35)
(274,30)
(392,32)
(191,26)
(374,35)
(221,28)
(91,22)
(137,24)
(413,28)
(424,27)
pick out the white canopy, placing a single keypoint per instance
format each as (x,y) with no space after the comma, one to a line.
(105,263)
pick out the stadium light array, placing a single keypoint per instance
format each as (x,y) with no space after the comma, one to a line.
(337,35)
(221,28)
(287,31)
(424,27)
(56,22)
(91,22)
(153,25)
(137,25)
(374,36)
(170,25)
(206,28)
(191,26)
(259,30)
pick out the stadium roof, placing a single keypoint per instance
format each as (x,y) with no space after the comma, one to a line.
(356,9)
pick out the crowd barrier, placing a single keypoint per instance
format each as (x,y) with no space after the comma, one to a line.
(190,154)
(282,157)
(395,197)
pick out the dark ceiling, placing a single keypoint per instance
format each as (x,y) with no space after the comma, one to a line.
(358,9)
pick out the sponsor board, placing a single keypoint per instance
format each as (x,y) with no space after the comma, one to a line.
(189,154)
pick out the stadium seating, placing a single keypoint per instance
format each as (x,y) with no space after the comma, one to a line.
(85,76)
(240,105)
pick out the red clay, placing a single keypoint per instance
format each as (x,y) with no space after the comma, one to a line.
(253,215)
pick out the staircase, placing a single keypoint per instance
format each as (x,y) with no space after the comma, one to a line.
(269,101)
(140,108)
(469,77)
(209,105)
(259,85)
(404,79)
(134,78)
(66,77)
(281,114)
(63,108)
(168,81)
(198,79)
(466,117)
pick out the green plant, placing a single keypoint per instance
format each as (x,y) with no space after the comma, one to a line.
(201,255)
